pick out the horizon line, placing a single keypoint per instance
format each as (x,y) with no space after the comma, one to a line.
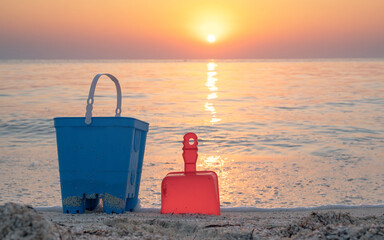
(191,59)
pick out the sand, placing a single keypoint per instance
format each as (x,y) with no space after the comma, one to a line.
(24,222)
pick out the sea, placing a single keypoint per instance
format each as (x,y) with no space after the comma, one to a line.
(302,133)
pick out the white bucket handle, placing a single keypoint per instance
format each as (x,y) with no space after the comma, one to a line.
(88,114)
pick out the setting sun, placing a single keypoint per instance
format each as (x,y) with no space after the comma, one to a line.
(211,38)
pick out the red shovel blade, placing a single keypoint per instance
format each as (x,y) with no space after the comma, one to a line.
(190,191)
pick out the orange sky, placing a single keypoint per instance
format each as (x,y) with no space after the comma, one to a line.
(178,29)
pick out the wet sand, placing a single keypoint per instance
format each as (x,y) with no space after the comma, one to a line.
(19,221)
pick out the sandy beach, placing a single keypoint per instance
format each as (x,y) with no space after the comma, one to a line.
(24,222)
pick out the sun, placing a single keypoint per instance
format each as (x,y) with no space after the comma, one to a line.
(211,38)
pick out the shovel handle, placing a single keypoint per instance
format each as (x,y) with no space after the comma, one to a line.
(190,152)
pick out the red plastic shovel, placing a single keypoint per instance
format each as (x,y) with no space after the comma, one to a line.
(190,191)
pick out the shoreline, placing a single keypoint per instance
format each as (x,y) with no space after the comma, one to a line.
(358,222)
(235,209)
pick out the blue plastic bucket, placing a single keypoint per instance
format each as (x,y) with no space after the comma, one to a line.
(100,158)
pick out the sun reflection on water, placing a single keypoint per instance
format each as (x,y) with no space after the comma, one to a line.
(211,84)
(211,66)
(212,96)
(220,165)
(211,81)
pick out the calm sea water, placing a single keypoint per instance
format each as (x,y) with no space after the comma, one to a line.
(280,134)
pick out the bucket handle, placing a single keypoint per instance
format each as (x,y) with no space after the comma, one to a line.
(88,114)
